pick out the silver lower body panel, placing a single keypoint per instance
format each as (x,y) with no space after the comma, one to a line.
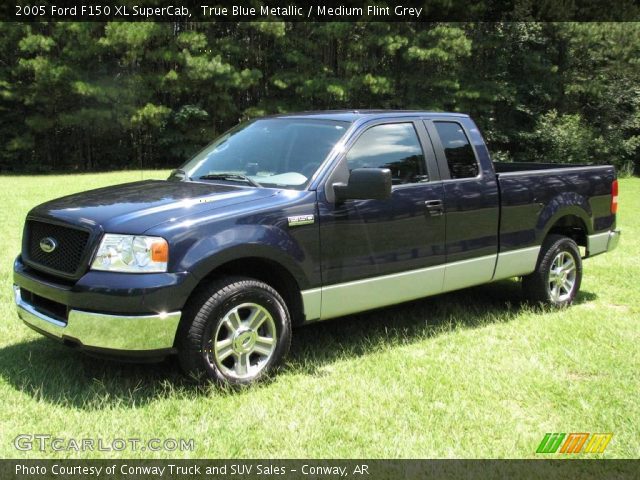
(130,333)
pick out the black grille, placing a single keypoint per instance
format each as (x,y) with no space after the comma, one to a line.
(70,246)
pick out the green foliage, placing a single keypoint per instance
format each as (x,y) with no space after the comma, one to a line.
(150,116)
(113,95)
(567,137)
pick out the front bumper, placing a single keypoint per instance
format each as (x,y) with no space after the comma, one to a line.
(115,334)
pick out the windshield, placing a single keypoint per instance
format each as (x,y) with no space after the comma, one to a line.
(272,152)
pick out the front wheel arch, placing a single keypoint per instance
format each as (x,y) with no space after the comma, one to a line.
(266,270)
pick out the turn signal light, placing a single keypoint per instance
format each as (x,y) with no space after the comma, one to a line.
(160,251)
(614,197)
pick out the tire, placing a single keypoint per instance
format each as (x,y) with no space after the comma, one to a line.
(556,280)
(235,331)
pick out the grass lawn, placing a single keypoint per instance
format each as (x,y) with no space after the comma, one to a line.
(469,374)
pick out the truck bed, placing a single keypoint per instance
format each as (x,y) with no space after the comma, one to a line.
(521,167)
(534,195)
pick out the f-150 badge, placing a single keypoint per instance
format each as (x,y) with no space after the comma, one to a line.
(301,220)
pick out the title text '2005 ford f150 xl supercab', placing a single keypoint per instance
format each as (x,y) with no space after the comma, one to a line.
(295,218)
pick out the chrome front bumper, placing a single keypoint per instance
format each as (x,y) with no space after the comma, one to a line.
(135,333)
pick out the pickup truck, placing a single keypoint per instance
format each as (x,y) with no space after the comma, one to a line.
(291,219)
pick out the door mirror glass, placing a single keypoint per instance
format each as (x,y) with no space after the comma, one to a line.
(365,184)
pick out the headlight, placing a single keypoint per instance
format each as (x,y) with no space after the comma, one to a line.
(131,253)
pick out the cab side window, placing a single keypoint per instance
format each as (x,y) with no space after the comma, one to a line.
(394,146)
(460,157)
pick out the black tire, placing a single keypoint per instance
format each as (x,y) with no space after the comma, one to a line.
(211,313)
(543,286)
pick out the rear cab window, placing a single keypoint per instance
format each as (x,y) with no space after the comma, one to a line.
(458,151)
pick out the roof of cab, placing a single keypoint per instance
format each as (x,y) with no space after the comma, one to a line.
(353,115)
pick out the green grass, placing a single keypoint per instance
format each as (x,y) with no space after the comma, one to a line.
(474,373)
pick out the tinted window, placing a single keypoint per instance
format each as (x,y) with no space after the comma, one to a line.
(460,157)
(394,146)
(282,152)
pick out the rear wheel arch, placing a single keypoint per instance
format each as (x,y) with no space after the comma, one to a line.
(569,225)
(567,214)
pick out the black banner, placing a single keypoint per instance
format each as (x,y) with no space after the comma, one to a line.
(317,469)
(333,11)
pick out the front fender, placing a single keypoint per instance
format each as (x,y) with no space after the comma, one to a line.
(245,241)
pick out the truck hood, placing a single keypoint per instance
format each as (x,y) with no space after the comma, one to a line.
(136,207)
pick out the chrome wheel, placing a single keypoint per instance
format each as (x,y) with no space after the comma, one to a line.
(244,341)
(562,277)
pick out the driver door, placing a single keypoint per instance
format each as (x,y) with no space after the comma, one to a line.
(381,252)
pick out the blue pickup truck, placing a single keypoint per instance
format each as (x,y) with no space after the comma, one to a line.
(296,218)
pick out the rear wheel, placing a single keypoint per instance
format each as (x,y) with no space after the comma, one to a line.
(235,332)
(556,280)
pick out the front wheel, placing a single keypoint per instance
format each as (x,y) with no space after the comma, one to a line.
(556,280)
(235,331)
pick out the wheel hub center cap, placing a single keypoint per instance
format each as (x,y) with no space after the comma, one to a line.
(243,340)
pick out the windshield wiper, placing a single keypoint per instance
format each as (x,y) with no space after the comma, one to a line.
(230,176)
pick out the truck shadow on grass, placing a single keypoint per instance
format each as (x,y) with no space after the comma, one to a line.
(47,371)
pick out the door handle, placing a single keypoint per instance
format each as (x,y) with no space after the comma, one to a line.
(434,207)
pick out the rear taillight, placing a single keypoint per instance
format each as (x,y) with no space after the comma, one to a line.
(614,197)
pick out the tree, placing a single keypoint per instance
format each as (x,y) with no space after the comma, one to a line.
(119,95)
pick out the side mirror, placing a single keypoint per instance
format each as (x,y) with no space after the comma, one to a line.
(177,175)
(365,184)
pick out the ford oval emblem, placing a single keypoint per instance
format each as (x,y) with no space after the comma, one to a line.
(48,244)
